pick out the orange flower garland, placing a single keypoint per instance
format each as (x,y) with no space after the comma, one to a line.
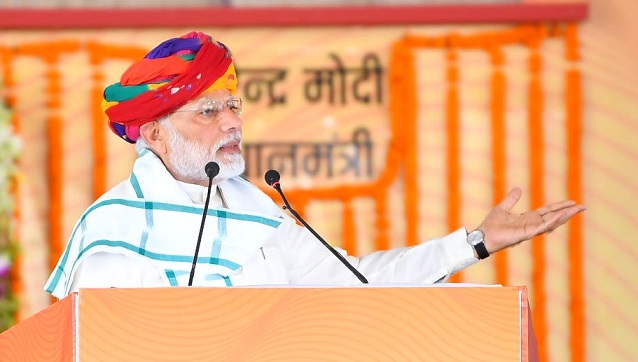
(575,192)
(497,111)
(537,189)
(410,154)
(453,136)
(55,167)
(349,229)
(99,136)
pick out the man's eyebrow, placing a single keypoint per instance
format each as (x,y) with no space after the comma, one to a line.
(202,101)
(205,100)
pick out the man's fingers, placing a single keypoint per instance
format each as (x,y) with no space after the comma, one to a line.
(555,219)
(511,199)
(555,207)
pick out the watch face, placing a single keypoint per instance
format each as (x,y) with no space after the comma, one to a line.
(475,237)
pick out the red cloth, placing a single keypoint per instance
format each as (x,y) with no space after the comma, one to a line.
(210,64)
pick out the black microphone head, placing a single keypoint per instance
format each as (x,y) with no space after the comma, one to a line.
(271,177)
(212,169)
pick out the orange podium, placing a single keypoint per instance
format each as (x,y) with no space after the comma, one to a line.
(390,323)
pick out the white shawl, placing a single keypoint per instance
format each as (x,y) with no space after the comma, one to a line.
(150,215)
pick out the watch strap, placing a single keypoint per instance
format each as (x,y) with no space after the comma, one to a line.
(481,250)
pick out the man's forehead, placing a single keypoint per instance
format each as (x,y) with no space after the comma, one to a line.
(218,95)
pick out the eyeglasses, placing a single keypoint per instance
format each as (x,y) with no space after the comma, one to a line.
(213,109)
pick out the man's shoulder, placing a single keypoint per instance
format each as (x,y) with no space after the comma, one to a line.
(123,190)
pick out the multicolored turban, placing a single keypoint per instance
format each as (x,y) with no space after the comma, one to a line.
(174,73)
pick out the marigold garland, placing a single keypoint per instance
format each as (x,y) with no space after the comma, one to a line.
(382,241)
(96,58)
(537,189)
(100,153)
(55,175)
(499,150)
(349,229)
(453,137)
(574,101)
(410,136)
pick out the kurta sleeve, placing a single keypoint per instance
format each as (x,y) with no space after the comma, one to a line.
(430,262)
(427,263)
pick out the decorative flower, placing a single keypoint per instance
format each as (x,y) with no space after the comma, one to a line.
(5,263)
(5,268)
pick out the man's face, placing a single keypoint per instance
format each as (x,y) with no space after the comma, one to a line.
(202,131)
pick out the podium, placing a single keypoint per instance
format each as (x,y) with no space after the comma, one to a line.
(279,324)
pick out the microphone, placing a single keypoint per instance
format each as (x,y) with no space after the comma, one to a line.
(212,170)
(272,179)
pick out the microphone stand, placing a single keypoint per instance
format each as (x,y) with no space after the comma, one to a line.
(212,170)
(272,178)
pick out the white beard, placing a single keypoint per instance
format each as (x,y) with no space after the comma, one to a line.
(188,158)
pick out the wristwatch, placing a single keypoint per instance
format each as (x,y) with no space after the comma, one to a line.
(476,238)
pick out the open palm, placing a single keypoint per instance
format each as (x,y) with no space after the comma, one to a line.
(504,228)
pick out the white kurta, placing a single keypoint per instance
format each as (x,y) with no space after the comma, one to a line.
(288,255)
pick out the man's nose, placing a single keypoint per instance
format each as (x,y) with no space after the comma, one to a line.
(230,120)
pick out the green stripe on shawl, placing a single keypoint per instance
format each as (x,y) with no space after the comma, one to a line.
(158,256)
(158,206)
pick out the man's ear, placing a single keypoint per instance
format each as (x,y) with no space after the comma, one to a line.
(155,137)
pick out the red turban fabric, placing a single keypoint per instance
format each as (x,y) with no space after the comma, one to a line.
(172,74)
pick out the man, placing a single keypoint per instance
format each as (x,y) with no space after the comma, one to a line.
(178,106)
